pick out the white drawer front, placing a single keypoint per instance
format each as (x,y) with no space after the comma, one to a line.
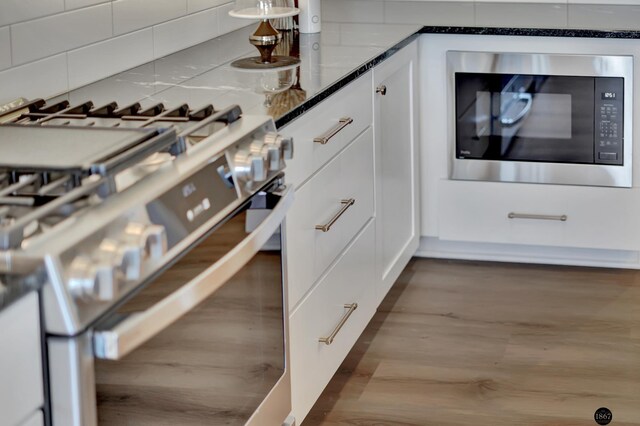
(353,102)
(349,176)
(602,218)
(21,390)
(351,280)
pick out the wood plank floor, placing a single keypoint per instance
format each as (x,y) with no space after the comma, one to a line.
(474,343)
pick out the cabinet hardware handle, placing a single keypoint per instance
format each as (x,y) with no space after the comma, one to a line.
(345,206)
(561,218)
(329,340)
(382,89)
(342,123)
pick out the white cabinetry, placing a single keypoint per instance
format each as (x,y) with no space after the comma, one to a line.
(330,271)
(549,215)
(21,393)
(325,174)
(397,177)
(470,219)
(362,184)
(341,191)
(321,315)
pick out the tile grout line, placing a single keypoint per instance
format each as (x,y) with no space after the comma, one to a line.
(11,46)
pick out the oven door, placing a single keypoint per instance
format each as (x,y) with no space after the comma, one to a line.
(205,342)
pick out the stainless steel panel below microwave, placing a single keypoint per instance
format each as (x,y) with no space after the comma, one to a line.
(541,118)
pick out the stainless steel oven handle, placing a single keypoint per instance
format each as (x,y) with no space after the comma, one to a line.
(128,335)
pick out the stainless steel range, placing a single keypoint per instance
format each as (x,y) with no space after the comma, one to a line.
(155,234)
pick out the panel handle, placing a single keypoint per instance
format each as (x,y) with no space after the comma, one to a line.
(342,123)
(345,206)
(329,339)
(561,218)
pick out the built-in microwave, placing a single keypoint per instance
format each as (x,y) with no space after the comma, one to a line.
(541,118)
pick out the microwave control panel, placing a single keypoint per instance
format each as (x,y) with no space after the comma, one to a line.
(608,129)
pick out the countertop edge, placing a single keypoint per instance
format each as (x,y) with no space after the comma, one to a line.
(342,82)
(534,32)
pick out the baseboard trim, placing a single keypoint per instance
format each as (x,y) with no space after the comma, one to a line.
(440,249)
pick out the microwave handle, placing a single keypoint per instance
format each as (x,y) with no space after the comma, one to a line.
(137,328)
(510,121)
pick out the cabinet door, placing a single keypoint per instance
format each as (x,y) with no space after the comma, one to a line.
(21,380)
(396,139)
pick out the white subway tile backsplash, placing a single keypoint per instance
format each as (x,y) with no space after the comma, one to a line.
(197,5)
(40,79)
(100,60)
(604,17)
(12,11)
(522,1)
(72,29)
(526,15)
(76,4)
(132,15)
(430,13)
(354,11)
(607,3)
(5,48)
(227,23)
(185,32)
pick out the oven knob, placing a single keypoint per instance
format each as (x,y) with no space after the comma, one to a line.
(275,154)
(133,255)
(280,148)
(108,282)
(155,238)
(250,166)
(125,256)
(91,280)
(143,241)
(287,147)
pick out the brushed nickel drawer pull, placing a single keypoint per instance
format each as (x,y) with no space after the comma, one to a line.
(561,218)
(382,89)
(345,206)
(342,123)
(329,340)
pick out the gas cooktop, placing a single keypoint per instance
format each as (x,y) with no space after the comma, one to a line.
(58,159)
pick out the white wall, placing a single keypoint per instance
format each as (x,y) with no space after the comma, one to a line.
(593,14)
(48,47)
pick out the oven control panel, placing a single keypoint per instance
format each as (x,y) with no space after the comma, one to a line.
(608,131)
